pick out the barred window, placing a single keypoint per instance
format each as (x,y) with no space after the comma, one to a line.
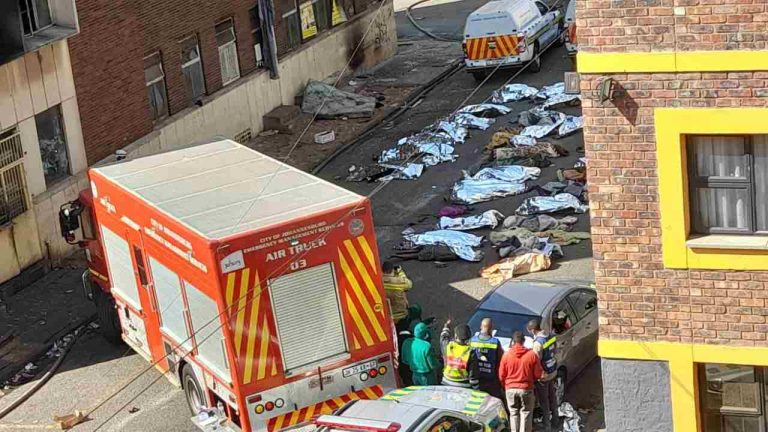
(13,193)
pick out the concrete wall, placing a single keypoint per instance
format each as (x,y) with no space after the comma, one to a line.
(636,396)
(28,86)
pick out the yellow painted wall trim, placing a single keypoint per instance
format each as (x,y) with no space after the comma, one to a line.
(671,61)
(672,124)
(682,359)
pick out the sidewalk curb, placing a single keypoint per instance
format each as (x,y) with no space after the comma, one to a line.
(4,377)
(456,66)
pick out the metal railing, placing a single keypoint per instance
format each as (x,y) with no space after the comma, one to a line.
(13,191)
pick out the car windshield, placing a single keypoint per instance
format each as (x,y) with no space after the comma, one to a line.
(504,323)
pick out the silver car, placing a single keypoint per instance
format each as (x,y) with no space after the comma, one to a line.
(567,310)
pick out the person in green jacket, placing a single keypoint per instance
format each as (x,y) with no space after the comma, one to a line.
(419,355)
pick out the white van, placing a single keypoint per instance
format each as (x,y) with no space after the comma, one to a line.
(509,33)
(571,46)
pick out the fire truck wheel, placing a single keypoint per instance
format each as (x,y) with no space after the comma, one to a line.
(109,322)
(192,390)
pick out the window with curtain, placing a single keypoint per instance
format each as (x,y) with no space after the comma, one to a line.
(728,178)
(322,10)
(154,77)
(731,398)
(293,28)
(192,68)
(258,42)
(225,39)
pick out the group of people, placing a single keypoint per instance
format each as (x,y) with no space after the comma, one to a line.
(520,376)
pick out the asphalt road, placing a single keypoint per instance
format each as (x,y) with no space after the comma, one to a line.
(95,369)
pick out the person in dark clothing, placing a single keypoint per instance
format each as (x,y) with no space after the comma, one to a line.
(403,369)
(488,350)
(461,364)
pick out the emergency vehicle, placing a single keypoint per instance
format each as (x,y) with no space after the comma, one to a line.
(253,285)
(509,33)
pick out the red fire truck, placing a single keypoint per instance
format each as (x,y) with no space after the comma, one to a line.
(253,285)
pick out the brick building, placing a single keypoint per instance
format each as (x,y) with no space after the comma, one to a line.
(676,134)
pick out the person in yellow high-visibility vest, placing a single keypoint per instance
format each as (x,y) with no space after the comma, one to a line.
(461,367)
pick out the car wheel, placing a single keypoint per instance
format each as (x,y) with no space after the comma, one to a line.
(535,63)
(560,381)
(192,390)
(109,322)
(561,35)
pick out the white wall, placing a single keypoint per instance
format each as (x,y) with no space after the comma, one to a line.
(28,86)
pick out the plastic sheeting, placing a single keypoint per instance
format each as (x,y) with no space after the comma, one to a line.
(560,99)
(549,91)
(513,93)
(489,218)
(511,267)
(329,102)
(490,183)
(461,243)
(408,172)
(485,110)
(519,140)
(570,125)
(542,123)
(457,132)
(571,419)
(472,122)
(551,204)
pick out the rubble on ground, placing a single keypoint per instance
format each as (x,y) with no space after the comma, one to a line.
(328,102)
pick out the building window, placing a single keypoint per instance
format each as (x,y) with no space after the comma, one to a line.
(155,81)
(225,39)
(258,39)
(293,28)
(53,145)
(323,14)
(308,23)
(13,193)
(731,398)
(728,177)
(192,68)
(35,15)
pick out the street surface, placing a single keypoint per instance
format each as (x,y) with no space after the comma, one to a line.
(94,369)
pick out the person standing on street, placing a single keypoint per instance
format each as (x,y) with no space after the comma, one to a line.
(519,370)
(396,284)
(488,350)
(461,368)
(420,357)
(544,347)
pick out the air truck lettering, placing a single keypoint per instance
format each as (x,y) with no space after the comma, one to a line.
(295,249)
(268,286)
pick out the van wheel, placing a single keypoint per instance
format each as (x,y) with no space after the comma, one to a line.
(192,390)
(109,322)
(479,75)
(535,63)
(561,35)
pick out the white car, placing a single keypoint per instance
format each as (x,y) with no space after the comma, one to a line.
(509,33)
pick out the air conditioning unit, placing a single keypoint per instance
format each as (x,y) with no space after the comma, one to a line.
(259,56)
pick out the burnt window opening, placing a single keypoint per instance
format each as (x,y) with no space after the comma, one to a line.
(35,15)
(192,69)
(258,38)
(293,28)
(53,145)
(154,78)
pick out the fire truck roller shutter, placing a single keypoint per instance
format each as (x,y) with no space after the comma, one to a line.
(209,336)
(170,302)
(308,315)
(120,267)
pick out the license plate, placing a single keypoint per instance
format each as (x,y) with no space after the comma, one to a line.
(359,368)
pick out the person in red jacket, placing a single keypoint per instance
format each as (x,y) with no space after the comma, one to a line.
(518,372)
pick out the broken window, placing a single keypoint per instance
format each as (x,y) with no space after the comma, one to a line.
(53,145)
(13,194)
(293,28)
(258,38)
(322,10)
(35,15)
(192,68)
(728,176)
(225,39)
(154,77)
(338,14)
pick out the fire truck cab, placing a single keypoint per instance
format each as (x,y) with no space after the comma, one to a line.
(253,285)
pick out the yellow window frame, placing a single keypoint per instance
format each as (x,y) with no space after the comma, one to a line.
(672,124)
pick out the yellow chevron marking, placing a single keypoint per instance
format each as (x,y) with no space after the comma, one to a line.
(274,368)
(263,350)
(252,321)
(339,402)
(363,301)
(230,289)
(309,414)
(355,341)
(368,253)
(370,393)
(363,272)
(294,418)
(279,422)
(359,323)
(244,279)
